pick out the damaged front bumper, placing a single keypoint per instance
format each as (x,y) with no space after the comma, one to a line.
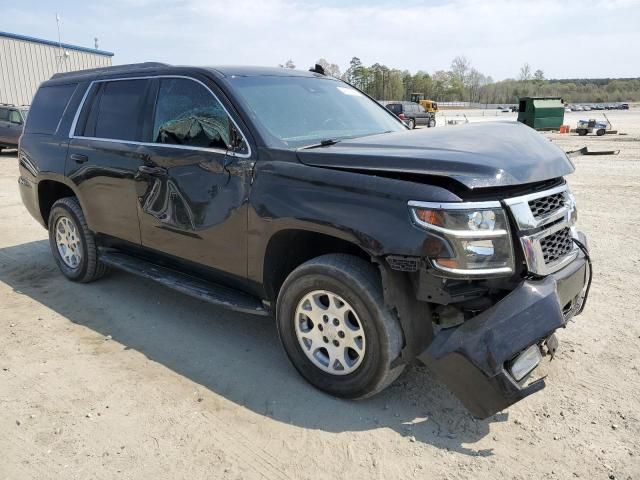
(473,359)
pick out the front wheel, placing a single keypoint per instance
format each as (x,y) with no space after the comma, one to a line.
(411,123)
(335,328)
(432,123)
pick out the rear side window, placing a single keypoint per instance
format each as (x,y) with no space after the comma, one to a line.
(47,109)
(4,114)
(395,108)
(116,111)
(14,117)
(188,114)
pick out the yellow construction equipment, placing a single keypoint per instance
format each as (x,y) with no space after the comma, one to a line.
(428,105)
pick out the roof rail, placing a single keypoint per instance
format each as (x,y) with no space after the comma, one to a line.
(112,69)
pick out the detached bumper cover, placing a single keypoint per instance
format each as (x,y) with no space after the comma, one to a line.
(470,359)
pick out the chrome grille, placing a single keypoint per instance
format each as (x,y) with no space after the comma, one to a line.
(545,206)
(544,221)
(556,245)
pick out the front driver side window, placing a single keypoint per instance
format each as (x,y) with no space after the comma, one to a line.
(188,114)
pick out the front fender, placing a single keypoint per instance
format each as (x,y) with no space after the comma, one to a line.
(367,210)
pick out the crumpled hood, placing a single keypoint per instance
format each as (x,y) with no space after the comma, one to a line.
(478,155)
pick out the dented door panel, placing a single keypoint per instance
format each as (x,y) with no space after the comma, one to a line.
(191,204)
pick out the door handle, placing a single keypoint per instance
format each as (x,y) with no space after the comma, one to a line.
(79,158)
(152,170)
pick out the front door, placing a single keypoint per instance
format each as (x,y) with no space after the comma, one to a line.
(193,186)
(105,154)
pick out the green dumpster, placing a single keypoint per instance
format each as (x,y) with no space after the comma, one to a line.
(541,113)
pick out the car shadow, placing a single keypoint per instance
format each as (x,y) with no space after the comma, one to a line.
(237,356)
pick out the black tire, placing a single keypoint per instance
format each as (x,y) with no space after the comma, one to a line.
(411,123)
(600,132)
(89,268)
(581,131)
(358,282)
(432,123)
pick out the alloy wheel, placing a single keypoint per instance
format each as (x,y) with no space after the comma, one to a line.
(329,332)
(68,242)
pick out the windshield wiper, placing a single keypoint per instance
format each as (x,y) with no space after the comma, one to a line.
(323,143)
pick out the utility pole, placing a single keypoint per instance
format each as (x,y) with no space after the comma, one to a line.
(60,56)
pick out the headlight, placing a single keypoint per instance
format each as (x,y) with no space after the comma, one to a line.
(477,234)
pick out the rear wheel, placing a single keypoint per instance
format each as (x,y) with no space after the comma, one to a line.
(72,243)
(432,123)
(411,123)
(335,327)
(600,132)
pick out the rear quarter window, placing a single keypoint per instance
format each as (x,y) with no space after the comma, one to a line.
(47,108)
(395,108)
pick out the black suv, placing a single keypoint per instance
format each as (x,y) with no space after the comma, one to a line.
(293,194)
(412,114)
(12,120)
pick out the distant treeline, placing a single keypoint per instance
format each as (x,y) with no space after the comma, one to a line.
(464,83)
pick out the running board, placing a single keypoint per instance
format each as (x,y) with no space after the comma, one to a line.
(203,290)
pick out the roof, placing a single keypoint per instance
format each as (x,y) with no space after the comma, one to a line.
(159,68)
(127,68)
(52,43)
(253,71)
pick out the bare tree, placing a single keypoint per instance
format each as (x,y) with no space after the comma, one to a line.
(525,72)
(288,64)
(329,68)
(460,67)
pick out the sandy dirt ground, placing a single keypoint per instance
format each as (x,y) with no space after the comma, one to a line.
(126,379)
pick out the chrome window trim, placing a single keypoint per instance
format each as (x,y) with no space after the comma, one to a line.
(153,144)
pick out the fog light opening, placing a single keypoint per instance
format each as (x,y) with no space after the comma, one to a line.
(525,363)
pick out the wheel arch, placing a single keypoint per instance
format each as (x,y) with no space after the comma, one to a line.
(291,247)
(50,190)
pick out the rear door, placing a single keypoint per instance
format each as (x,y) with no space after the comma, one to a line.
(105,153)
(194,183)
(422,117)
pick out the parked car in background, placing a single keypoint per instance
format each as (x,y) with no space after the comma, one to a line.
(623,106)
(412,114)
(12,120)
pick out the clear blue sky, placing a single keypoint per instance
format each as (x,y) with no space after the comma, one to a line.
(572,38)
